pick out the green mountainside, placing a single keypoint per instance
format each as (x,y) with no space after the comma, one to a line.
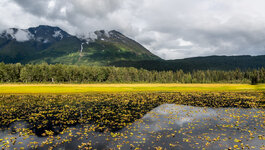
(199,63)
(52,45)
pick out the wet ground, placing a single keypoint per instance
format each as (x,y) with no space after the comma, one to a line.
(168,126)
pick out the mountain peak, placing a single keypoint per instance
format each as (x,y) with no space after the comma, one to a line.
(48,27)
(47,34)
(42,33)
(53,45)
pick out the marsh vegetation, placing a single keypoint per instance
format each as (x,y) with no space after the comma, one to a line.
(83,120)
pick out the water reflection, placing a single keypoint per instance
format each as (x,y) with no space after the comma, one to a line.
(167,126)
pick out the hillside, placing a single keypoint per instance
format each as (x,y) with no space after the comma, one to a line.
(199,63)
(53,45)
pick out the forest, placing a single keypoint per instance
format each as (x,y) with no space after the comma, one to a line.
(59,73)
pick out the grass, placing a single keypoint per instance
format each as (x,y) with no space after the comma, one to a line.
(98,88)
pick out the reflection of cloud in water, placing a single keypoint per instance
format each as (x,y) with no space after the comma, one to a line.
(167,114)
(186,127)
(171,126)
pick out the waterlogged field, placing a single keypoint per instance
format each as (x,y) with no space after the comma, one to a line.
(127,116)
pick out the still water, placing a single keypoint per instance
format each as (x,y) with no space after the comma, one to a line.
(168,126)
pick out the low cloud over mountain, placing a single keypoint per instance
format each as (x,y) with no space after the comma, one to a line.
(170,29)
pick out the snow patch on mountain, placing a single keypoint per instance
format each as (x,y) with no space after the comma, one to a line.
(43,40)
(46,41)
(58,34)
(39,39)
(19,35)
(89,37)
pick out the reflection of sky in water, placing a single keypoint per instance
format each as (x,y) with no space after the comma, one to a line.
(169,126)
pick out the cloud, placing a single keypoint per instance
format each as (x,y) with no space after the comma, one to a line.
(170,29)
(22,35)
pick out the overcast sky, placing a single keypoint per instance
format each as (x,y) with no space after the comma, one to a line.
(169,28)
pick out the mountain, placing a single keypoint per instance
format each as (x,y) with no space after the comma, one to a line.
(53,45)
(104,48)
(243,62)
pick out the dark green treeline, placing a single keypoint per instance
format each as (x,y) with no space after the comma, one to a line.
(90,74)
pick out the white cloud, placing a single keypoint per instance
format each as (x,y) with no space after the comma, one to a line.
(171,29)
(184,43)
(19,35)
(22,35)
(51,4)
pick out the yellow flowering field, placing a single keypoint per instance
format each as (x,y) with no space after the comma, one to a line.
(88,88)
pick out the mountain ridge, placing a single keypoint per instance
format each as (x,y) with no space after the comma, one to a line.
(214,62)
(52,45)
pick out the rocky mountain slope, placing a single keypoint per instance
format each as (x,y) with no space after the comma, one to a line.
(53,45)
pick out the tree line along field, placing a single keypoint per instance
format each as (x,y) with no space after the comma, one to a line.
(44,73)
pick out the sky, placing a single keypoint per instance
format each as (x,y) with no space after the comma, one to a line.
(171,29)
